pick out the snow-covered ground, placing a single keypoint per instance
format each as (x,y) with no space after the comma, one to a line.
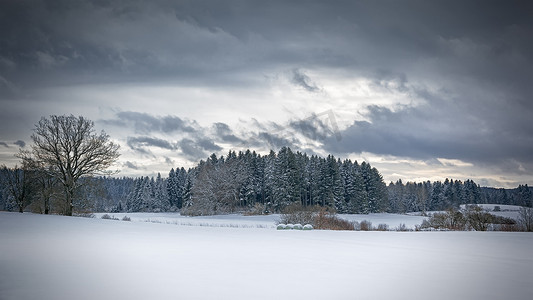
(392,220)
(232,221)
(268,221)
(56,257)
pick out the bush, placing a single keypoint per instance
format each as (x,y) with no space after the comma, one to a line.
(85,215)
(383,227)
(126,218)
(298,214)
(402,227)
(502,220)
(449,220)
(509,227)
(319,218)
(365,225)
(478,219)
(327,220)
(108,217)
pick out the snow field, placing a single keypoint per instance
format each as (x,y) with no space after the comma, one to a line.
(231,221)
(55,257)
(262,221)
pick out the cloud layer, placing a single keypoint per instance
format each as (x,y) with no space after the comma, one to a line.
(172,81)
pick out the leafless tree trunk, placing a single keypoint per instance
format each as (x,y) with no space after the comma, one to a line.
(42,182)
(477,218)
(525,218)
(69,149)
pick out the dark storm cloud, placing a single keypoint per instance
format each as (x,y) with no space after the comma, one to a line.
(225,134)
(197,147)
(208,145)
(317,127)
(20,143)
(131,165)
(300,79)
(47,42)
(137,142)
(169,161)
(274,140)
(139,147)
(446,132)
(146,123)
(192,150)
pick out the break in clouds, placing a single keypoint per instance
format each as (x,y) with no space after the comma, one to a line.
(174,81)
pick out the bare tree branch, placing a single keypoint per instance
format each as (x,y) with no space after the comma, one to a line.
(69,149)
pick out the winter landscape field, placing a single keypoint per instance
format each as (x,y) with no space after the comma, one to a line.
(166,256)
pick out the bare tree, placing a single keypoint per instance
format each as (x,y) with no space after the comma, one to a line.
(68,149)
(41,180)
(525,218)
(216,189)
(478,219)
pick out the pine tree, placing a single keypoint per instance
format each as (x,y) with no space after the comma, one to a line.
(286,188)
(161,202)
(396,197)
(331,187)
(524,196)
(172,188)
(180,184)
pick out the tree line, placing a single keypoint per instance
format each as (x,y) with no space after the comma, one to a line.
(246,181)
(438,196)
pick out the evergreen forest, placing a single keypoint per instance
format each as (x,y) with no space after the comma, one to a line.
(245,181)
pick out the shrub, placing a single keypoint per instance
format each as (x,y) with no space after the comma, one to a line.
(525,218)
(402,227)
(502,220)
(126,218)
(319,218)
(108,217)
(298,214)
(509,227)
(365,225)
(308,227)
(478,219)
(449,220)
(497,208)
(383,227)
(298,227)
(327,220)
(85,215)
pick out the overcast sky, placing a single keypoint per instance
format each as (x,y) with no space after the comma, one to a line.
(423,90)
